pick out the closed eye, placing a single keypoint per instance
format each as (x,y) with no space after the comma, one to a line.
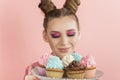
(55,35)
(70,33)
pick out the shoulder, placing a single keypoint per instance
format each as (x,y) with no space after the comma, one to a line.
(30,67)
(40,63)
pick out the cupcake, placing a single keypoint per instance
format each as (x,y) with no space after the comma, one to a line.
(54,67)
(75,70)
(90,64)
(66,60)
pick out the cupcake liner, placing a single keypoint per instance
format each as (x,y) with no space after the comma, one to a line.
(75,74)
(99,74)
(54,73)
(90,73)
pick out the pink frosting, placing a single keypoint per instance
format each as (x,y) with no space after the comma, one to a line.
(88,61)
(44,59)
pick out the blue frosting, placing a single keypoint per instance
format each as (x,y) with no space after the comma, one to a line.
(54,62)
(77,57)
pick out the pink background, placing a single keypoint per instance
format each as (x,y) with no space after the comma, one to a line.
(21,41)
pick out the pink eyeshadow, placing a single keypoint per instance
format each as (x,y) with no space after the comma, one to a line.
(70,32)
(55,34)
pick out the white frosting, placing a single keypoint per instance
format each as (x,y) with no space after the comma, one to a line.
(66,60)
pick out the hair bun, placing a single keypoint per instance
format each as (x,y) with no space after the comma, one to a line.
(46,6)
(72,5)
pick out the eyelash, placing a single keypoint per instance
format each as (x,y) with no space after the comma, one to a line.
(70,35)
(55,36)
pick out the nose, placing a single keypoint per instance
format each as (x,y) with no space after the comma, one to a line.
(64,40)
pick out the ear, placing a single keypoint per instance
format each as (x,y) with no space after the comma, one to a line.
(45,37)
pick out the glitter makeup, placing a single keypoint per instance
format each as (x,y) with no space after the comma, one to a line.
(70,33)
(55,34)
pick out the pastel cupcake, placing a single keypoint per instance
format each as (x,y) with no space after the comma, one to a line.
(54,67)
(90,64)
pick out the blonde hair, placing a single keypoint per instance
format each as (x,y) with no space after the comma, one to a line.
(69,8)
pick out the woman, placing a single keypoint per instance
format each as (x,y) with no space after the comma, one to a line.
(61,28)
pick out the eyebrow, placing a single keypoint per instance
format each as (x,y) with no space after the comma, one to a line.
(66,31)
(54,32)
(71,30)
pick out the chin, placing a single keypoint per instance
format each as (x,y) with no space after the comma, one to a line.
(62,55)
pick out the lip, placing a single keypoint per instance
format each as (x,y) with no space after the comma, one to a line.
(63,50)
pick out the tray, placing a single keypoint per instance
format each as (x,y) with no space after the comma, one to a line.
(99,74)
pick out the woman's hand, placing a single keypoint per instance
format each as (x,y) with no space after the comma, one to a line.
(31,77)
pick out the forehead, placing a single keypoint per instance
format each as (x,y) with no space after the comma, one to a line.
(62,24)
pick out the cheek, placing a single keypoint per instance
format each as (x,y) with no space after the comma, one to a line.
(74,40)
(53,43)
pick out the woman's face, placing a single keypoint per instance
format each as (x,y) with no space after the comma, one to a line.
(62,35)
